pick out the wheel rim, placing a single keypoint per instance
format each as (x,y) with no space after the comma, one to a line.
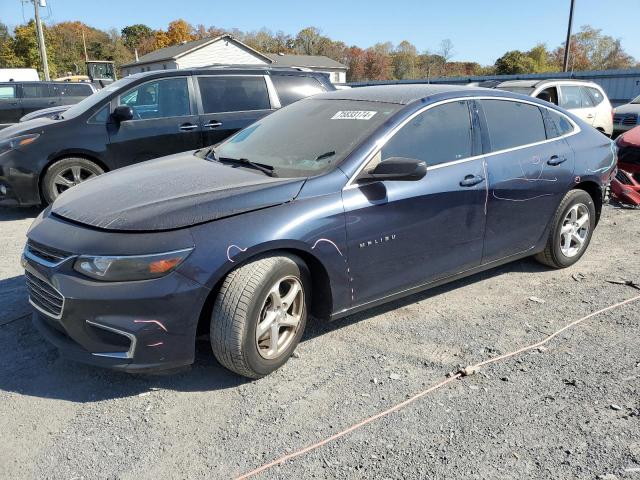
(280,317)
(575,230)
(70,177)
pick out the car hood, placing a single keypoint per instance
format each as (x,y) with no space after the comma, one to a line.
(628,108)
(22,128)
(171,192)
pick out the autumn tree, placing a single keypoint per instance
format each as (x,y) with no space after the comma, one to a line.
(134,35)
(179,31)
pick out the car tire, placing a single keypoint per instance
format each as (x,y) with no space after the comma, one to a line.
(248,314)
(66,173)
(571,230)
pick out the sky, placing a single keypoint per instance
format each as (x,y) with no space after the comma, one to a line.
(481,31)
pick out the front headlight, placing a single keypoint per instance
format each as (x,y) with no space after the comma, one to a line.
(17,142)
(129,268)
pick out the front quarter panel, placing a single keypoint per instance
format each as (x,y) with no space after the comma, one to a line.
(310,226)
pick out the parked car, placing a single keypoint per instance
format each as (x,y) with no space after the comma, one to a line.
(585,99)
(398,188)
(627,116)
(140,117)
(625,187)
(20,98)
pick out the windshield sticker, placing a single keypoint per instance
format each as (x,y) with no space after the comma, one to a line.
(353,115)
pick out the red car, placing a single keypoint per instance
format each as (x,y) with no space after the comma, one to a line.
(625,187)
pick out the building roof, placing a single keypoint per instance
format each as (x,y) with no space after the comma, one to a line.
(401,94)
(309,61)
(177,51)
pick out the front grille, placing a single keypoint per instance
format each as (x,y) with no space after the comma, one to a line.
(47,254)
(43,296)
(622,178)
(625,119)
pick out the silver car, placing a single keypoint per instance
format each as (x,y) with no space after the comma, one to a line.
(627,116)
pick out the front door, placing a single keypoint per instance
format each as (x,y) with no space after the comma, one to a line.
(229,103)
(529,169)
(402,234)
(164,122)
(10,108)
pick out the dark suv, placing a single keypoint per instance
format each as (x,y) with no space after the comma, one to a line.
(21,98)
(140,117)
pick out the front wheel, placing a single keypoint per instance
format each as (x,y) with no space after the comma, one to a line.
(67,173)
(259,315)
(571,230)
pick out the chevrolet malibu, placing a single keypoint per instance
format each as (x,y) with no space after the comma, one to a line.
(326,207)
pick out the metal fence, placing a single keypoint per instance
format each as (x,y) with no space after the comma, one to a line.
(620,85)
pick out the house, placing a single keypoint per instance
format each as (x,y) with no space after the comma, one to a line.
(225,50)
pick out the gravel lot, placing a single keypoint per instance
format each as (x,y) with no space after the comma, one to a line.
(572,411)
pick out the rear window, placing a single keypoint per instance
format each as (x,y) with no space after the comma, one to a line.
(292,88)
(559,124)
(74,90)
(233,94)
(513,124)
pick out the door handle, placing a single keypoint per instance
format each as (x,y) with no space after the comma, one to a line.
(556,160)
(471,180)
(213,124)
(590,116)
(185,127)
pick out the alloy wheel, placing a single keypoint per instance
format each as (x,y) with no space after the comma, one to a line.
(70,177)
(575,230)
(280,317)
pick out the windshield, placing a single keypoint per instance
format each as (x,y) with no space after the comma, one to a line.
(308,137)
(636,100)
(95,98)
(521,90)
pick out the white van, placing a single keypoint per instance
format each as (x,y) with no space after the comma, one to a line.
(586,100)
(19,75)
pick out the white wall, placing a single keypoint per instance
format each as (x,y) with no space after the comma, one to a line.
(223,51)
(147,67)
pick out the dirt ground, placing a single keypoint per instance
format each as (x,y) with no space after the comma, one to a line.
(572,411)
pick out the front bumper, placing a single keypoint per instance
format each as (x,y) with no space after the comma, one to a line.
(18,184)
(132,326)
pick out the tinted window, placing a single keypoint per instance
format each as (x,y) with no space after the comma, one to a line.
(596,95)
(512,124)
(233,94)
(7,91)
(559,124)
(75,90)
(101,116)
(160,99)
(441,134)
(292,88)
(34,90)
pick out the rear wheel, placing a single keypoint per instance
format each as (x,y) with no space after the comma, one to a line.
(260,314)
(67,173)
(571,230)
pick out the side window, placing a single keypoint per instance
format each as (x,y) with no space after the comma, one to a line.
(587,101)
(440,134)
(549,95)
(76,90)
(101,116)
(159,99)
(559,124)
(233,94)
(513,124)
(34,90)
(596,95)
(292,88)
(575,97)
(7,91)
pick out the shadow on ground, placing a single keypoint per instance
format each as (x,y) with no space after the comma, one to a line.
(33,367)
(18,213)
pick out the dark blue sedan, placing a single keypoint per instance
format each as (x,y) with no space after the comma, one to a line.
(326,207)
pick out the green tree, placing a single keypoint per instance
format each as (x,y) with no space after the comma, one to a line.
(133,35)
(514,61)
(307,41)
(8,58)
(404,59)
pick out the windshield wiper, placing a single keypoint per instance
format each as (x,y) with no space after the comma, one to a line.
(263,167)
(326,155)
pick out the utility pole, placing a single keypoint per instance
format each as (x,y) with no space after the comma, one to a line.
(567,45)
(43,48)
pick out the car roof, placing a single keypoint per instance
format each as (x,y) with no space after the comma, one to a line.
(537,82)
(229,69)
(402,94)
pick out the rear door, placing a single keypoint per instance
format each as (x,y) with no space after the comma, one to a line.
(164,122)
(402,234)
(229,103)
(530,167)
(36,96)
(10,108)
(576,99)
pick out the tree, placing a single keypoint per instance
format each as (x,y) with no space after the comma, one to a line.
(377,65)
(355,61)
(541,58)
(8,58)
(404,59)
(133,35)
(178,32)
(514,61)
(307,40)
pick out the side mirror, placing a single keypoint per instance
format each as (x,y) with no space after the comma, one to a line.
(122,113)
(398,168)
